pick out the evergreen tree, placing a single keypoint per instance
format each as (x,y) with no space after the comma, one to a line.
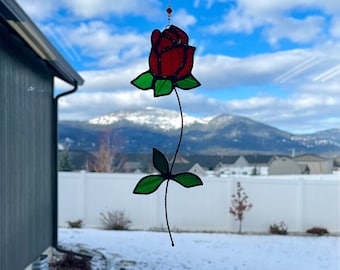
(65,162)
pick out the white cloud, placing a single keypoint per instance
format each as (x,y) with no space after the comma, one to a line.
(236,21)
(275,19)
(98,8)
(275,27)
(183,19)
(77,9)
(86,105)
(335,28)
(220,72)
(264,7)
(209,3)
(89,105)
(110,79)
(300,113)
(298,31)
(40,10)
(330,88)
(104,44)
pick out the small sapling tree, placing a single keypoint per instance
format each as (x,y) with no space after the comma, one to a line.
(239,204)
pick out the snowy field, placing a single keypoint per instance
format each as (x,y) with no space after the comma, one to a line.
(135,250)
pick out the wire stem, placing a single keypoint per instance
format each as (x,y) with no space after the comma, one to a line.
(172,166)
(181,134)
(166,212)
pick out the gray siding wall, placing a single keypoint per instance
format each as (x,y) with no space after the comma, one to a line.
(26,155)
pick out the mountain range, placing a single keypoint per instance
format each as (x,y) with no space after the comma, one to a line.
(139,130)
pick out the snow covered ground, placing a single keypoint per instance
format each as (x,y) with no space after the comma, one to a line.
(135,250)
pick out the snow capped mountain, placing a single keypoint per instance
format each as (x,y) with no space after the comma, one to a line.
(141,130)
(151,117)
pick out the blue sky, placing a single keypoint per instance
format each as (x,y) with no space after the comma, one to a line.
(276,62)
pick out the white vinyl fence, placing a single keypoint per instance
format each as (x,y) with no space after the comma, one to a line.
(301,202)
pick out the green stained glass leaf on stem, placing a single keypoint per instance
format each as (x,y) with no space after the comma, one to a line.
(188,83)
(148,184)
(160,162)
(188,179)
(163,87)
(143,81)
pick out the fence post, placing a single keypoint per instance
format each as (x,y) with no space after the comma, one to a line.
(299,204)
(230,192)
(83,177)
(338,183)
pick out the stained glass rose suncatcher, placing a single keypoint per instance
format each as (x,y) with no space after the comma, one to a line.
(170,66)
(170,61)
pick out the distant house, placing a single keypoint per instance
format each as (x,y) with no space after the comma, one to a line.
(184,165)
(287,165)
(131,167)
(197,169)
(28,137)
(336,163)
(316,164)
(229,165)
(245,165)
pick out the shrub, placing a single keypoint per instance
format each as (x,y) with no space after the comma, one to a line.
(278,229)
(239,204)
(115,220)
(75,224)
(317,231)
(71,261)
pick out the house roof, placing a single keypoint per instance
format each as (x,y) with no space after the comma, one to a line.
(23,27)
(309,157)
(258,159)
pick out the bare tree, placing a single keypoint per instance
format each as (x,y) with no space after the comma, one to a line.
(108,158)
(239,204)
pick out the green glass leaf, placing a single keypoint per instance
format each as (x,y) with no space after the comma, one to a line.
(148,184)
(143,81)
(188,83)
(160,162)
(188,179)
(163,87)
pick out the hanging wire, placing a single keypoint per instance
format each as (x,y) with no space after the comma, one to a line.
(169,11)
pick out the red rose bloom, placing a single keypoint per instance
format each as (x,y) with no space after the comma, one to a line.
(170,61)
(171,56)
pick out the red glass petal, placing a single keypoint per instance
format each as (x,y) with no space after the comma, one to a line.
(188,64)
(180,34)
(172,61)
(153,63)
(155,36)
(171,35)
(164,43)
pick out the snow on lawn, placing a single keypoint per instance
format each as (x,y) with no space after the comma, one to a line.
(204,251)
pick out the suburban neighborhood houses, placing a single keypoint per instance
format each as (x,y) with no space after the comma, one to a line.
(205,165)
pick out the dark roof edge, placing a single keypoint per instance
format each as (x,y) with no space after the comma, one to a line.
(26,29)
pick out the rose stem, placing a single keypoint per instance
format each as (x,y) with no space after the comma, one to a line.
(172,165)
